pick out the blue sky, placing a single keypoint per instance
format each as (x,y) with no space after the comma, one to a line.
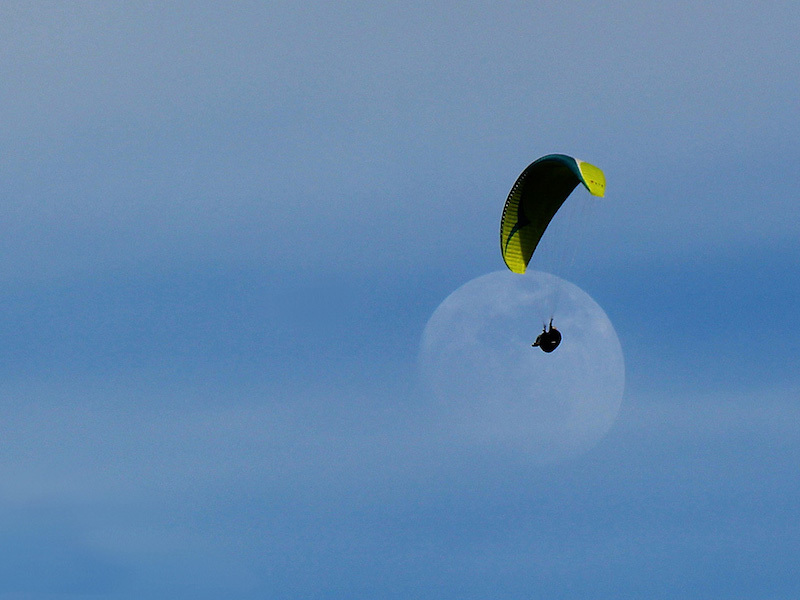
(225,227)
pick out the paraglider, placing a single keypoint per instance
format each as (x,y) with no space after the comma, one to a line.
(549,339)
(536,196)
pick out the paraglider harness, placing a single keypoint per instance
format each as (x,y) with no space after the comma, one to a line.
(549,339)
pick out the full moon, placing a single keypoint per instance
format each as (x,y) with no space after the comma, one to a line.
(496,393)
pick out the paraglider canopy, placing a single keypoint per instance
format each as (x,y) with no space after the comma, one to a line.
(537,195)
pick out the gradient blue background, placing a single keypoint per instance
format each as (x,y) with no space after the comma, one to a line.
(224,225)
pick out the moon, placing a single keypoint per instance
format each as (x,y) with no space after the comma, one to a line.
(494,392)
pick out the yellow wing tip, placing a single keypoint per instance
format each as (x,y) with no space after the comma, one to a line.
(593,179)
(515,266)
